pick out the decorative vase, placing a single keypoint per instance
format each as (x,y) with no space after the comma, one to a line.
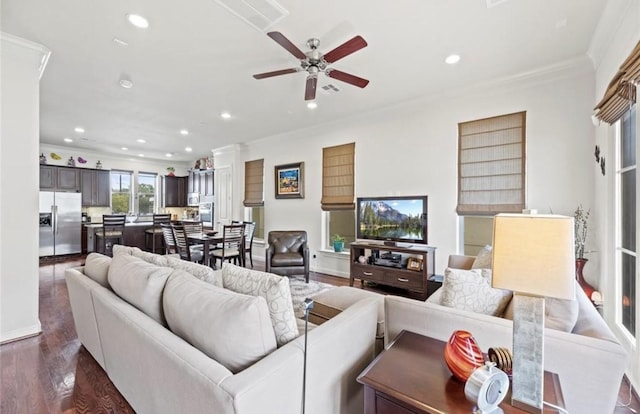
(338,246)
(462,355)
(588,289)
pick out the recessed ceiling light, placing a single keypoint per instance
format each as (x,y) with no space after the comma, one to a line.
(124,149)
(126,83)
(79,130)
(168,154)
(188,149)
(140,155)
(452,59)
(184,132)
(120,42)
(312,105)
(138,21)
(225,115)
(68,140)
(140,140)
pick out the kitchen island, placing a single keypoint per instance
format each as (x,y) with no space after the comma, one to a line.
(133,234)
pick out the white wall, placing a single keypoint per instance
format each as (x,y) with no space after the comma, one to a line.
(412,149)
(611,47)
(22,65)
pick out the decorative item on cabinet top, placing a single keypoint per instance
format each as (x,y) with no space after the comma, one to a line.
(43,159)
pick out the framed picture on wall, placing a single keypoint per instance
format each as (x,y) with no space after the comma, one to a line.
(290,180)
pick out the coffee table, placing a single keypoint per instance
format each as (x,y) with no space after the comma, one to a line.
(412,377)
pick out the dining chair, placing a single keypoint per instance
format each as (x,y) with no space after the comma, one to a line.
(185,251)
(111,232)
(232,245)
(156,231)
(249,231)
(192,226)
(169,239)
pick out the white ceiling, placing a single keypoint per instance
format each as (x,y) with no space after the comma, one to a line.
(197,59)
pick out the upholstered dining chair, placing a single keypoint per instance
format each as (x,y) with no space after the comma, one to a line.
(249,231)
(155,232)
(111,232)
(185,251)
(287,253)
(232,246)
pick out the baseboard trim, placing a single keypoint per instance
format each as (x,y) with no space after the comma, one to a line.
(22,333)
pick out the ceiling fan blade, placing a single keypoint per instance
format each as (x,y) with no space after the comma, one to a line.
(345,49)
(286,43)
(347,77)
(310,90)
(275,73)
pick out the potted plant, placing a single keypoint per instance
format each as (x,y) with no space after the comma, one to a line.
(581,219)
(338,243)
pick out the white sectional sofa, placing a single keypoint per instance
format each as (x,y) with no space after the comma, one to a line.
(587,358)
(154,329)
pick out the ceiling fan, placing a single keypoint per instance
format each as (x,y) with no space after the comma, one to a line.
(314,62)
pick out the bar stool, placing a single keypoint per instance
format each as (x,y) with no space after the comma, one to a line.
(111,232)
(156,231)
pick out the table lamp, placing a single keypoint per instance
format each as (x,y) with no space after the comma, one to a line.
(533,256)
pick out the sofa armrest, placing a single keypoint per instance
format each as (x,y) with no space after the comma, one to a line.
(268,252)
(590,369)
(338,351)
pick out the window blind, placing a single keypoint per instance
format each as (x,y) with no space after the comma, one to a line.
(254,183)
(491,165)
(621,91)
(338,177)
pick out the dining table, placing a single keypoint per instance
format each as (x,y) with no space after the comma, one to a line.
(206,239)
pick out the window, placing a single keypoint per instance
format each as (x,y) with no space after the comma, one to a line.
(254,195)
(626,187)
(491,165)
(146,194)
(338,165)
(121,191)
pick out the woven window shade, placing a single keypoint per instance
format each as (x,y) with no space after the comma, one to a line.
(621,92)
(254,183)
(491,165)
(338,177)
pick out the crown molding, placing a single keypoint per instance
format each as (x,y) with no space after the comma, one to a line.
(33,46)
(613,16)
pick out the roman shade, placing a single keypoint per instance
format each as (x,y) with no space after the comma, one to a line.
(338,177)
(621,92)
(254,183)
(491,165)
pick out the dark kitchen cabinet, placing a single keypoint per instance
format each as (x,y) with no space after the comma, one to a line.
(175,191)
(201,182)
(54,178)
(48,176)
(95,188)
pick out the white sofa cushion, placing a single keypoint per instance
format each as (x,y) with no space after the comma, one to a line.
(559,314)
(471,290)
(274,289)
(202,272)
(140,283)
(96,267)
(484,259)
(231,328)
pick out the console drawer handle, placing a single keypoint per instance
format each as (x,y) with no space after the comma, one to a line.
(402,279)
(367,273)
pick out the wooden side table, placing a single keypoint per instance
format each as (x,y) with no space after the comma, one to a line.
(412,377)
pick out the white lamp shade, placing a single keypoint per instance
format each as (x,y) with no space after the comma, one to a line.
(534,254)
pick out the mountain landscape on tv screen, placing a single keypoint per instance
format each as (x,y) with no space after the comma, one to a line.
(380,220)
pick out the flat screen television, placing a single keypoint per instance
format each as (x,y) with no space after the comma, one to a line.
(392,219)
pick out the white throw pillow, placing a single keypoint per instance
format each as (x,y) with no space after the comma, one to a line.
(484,258)
(559,314)
(274,289)
(97,268)
(140,283)
(471,290)
(200,271)
(231,328)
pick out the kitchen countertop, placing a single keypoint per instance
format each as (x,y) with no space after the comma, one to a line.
(127,224)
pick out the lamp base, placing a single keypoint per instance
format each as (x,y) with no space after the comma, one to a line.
(528,353)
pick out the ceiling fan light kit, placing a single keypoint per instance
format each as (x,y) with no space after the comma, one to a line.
(314,62)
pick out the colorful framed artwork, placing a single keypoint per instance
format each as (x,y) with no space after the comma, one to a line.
(290,180)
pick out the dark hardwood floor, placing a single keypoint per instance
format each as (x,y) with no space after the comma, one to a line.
(53,373)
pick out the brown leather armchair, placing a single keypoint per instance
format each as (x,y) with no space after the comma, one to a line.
(287,253)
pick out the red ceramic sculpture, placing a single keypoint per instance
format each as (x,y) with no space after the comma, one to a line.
(462,355)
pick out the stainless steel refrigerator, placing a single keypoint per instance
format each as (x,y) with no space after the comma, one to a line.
(60,223)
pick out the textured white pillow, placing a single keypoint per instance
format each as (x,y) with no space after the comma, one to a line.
(97,268)
(471,290)
(140,283)
(276,291)
(231,328)
(559,314)
(484,258)
(200,271)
